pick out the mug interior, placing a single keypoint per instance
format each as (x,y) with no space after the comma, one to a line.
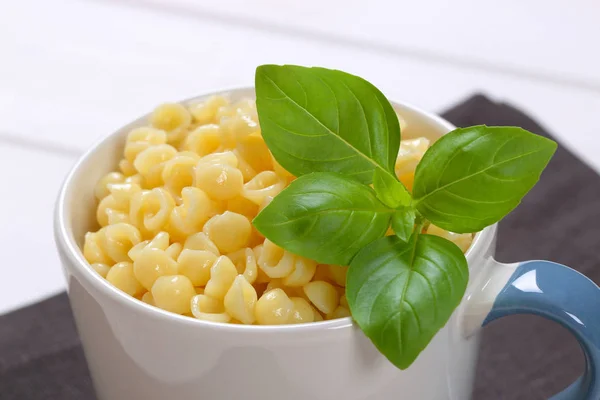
(76,205)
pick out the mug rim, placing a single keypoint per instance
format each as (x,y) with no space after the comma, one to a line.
(65,241)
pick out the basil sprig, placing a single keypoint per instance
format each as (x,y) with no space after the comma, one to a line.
(338,134)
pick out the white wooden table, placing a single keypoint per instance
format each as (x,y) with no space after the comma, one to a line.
(73,71)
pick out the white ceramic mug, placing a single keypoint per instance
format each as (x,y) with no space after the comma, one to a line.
(136,351)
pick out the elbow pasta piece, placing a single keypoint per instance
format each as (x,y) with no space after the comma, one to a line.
(101,269)
(245,263)
(337,274)
(92,249)
(148,299)
(222,275)
(302,311)
(224,111)
(206,111)
(174,250)
(122,194)
(151,162)
(276,283)
(101,190)
(290,291)
(152,263)
(115,217)
(261,276)
(137,249)
(137,179)
(240,107)
(410,153)
(257,250)
(228,231)
(303,271)
(241,205)
(462,240)
(274,261)
(265,184)
(189,217)
(256,153)
(246,169)
(196,265)
(127,168)
(112,207)
(150,210)
(219,181)
(173,118)
(208,304)
(160,241)
(200,241)
(339,312)
(208,309)
(238,127)
(274,308)
(322,295)
(178,173)
(317,315)
(240,300)
(139,139)
(222,158)
(121,276)
(153,156)
(203,140)
(116,240)
(173,293)
(107,203)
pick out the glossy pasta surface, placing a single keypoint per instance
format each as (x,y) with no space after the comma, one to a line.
(175,221)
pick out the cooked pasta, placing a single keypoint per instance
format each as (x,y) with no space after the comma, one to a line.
(274,308)
(323,295)
(462,240)
(173,293)
(265,184)
(175,216)
(240,300)
(173,118)
(410,153)
(196,265)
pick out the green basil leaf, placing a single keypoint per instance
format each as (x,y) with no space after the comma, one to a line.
(321,120)
(324,216)
(472,177)
(403,223)
(390,190)
(402,294)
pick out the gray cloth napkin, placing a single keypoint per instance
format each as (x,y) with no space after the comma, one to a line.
(522,357)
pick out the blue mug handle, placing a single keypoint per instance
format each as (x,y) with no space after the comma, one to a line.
(550,290)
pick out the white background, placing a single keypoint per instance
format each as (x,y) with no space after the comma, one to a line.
(72,71)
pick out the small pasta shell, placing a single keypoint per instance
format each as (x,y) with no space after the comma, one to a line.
(240,300)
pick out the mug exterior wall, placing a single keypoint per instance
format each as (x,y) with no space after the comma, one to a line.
(138,356)
(136,352)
